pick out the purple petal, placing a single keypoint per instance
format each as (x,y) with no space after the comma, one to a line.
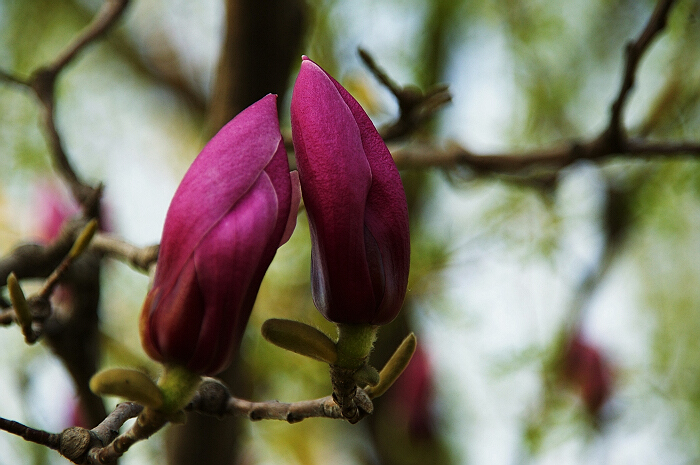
(169,316)
(222,230)
(223,172)
(386,212)
(335,178)
(293,207)
(226,261)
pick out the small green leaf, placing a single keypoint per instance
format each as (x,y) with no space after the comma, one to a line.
(300,338)
(129,384)
(366,376)
(19,303)
(83,239)
(177,385)
(394,367)
(355,342)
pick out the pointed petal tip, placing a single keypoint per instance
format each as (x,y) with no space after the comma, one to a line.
(294,207)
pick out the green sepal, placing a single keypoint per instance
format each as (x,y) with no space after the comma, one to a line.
(129,384)
(355,342)
(178,385)
(19,302)
(394,367)
(367,375)
(83,239)
(300,338)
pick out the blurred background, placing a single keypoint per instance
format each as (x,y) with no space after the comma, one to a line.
(557,313)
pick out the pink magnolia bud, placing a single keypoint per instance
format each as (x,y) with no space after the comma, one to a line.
(355,203)
(411,397)
(236,204)
(586,368)
(53,208)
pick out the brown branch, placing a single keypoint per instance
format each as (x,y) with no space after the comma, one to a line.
(70,330)
(610,142)
(37,436)
(51,262)
(74,443)
(423,155)
(38,261)
(42,81)
(147,423)
(294,412)
(108,14)
(415,107)
(108,429)
(211,398)
(141,258)
(103,444)
(214,398)
(634,52)
(72,336)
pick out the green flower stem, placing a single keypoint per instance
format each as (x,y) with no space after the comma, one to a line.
(354,345)
(178,385)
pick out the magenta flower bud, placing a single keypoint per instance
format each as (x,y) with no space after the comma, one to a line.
(235,206)
(355,202)
(587,369)
(53,208)
(412,397)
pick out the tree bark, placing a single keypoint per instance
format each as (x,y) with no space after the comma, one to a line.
(262,43)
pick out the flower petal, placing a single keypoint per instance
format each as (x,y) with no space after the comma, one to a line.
(227,260)
(293,207)
(169,316)
(335,178)
(386,211)
(223,172)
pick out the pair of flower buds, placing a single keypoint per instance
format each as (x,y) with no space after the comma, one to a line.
(238,203)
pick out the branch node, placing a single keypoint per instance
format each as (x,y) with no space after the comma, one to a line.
(74,443)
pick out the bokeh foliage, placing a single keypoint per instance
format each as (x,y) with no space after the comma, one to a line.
(497,262)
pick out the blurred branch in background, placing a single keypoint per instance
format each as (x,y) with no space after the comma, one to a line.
(415,107)
(261,46)
(259,52)
(72,333)
(71,329)
(141,258)
(262,43)
(612,141)
(43,81)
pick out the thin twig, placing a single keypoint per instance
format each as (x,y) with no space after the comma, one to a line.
(108,429)
(379,73)
(610,142)
(103,444)
(43,80)
(108,14)
(423,155)
(294,412)
(37,261)
(140,258)
(147,423)
(40,259)
(634,52)
(214,398)
(415,107)
(50,440)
